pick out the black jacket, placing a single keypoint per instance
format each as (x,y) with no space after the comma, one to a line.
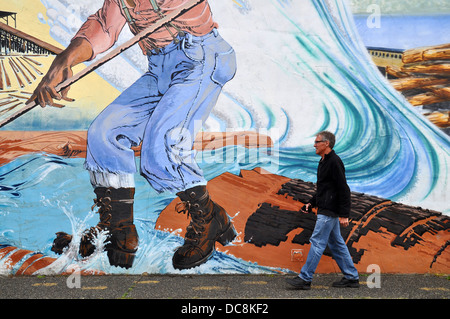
(332,197)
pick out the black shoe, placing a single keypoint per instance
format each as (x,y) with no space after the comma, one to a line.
(299,283)
(346,283)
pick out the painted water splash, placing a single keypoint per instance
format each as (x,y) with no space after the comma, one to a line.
(42,194)
(302,68)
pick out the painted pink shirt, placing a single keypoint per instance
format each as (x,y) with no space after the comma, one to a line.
(103,28)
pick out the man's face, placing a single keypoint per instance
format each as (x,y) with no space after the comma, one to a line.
(321,145)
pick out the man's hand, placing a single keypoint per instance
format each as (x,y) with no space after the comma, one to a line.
(78,51)
(343,221)
(307,208)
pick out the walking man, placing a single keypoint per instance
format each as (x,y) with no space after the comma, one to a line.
(188,64)
(332,199)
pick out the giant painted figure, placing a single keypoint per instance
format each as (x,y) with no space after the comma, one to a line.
(189,62)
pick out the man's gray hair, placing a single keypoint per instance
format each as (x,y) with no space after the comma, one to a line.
(328,136)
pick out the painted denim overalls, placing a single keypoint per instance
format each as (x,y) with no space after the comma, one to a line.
(163,110)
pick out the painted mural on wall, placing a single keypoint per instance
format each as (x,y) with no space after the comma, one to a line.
(202,161)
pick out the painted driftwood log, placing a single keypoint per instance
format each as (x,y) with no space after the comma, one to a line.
(274,232)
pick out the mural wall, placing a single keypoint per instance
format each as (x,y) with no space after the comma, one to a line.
(375,73)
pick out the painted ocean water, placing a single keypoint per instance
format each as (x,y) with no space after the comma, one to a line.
(41,194)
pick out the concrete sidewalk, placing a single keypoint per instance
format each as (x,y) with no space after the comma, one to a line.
(218,287)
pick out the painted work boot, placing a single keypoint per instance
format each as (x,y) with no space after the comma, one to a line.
(209,223)
(116,216)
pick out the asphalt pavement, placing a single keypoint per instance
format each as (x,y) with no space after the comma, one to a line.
(228,294)
(218,287)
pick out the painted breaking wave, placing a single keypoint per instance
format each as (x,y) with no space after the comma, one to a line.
(302,67)
(389,149)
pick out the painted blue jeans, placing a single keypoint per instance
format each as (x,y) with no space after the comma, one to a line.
(163,110)
(327,232)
